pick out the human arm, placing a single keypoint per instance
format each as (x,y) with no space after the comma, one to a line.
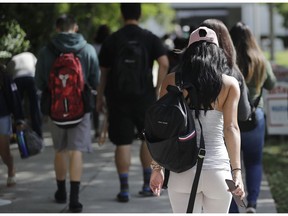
(232,132)
(168,80)
(100,103)
(162,72)
(158,52)
(157,175)
(157,178)
(105,62)
(271,80)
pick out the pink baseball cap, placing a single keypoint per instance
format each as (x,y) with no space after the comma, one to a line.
(203,34)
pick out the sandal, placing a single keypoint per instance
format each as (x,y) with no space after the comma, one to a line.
(11,181)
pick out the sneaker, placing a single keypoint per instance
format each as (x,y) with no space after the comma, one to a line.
(123,197)
(60,197)
(251,208)
(11,181)
(146,192)
(75,207)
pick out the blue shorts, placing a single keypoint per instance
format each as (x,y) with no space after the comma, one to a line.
(5,125)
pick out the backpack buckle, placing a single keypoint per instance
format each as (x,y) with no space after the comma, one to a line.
(201,153)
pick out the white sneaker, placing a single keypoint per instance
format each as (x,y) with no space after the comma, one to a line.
(250,210)
(11,181)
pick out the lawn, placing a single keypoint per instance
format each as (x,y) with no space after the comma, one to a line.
(275,161)
(275,156)
(281,57)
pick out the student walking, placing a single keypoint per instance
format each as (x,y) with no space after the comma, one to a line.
(225,42)
(69,143)
(204,65)
(126,60)
(10,104)
(22,68)
(258,75)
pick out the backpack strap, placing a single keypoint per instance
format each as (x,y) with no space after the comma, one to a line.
(256,102)
(200,160)
(201,153)
(254,105)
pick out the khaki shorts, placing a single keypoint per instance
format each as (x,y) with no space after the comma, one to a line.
(76,138)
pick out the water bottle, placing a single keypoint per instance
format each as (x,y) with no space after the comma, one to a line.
(22,145)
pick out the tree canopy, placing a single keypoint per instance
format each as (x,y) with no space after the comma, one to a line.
(283,10)
(37,19)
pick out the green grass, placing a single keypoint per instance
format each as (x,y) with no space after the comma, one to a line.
(275,161)
(280,57)
(275,156)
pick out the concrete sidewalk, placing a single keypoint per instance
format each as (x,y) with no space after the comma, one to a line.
(34,192)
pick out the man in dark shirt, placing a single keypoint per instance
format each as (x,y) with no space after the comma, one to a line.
(128,111)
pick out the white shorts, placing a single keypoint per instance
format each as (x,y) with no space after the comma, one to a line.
(212,195)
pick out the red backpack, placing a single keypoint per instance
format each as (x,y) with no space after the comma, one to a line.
(66,85)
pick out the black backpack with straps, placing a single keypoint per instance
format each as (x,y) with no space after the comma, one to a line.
(132,73)
(170,133)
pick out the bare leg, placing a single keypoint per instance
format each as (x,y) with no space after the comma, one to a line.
(6,155)
(60,164)
(123,158)
(75,166)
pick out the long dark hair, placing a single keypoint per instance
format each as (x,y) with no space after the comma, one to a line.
(226,43)
(224,39)
(202,65)
(250,57)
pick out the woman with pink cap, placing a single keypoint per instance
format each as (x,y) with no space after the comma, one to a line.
(204,65)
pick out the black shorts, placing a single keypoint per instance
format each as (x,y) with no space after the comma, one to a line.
(124,118)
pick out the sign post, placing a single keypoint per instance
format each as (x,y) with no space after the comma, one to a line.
(276,104)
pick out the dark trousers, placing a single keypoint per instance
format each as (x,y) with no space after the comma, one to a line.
(252,143)
(27,89)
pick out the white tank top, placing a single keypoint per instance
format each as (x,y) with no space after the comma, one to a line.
(216,153)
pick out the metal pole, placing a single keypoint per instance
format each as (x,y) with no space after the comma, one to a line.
(271,35)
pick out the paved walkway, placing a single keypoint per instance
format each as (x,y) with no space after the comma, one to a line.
(34,192)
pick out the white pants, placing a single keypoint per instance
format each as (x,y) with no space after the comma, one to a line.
(212,195)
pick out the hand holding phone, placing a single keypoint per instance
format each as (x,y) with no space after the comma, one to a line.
(232,187)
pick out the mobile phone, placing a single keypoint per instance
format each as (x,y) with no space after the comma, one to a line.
(231,184)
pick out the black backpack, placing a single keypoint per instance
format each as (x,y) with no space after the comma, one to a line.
(133,75)
(252,121)
(170,133)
